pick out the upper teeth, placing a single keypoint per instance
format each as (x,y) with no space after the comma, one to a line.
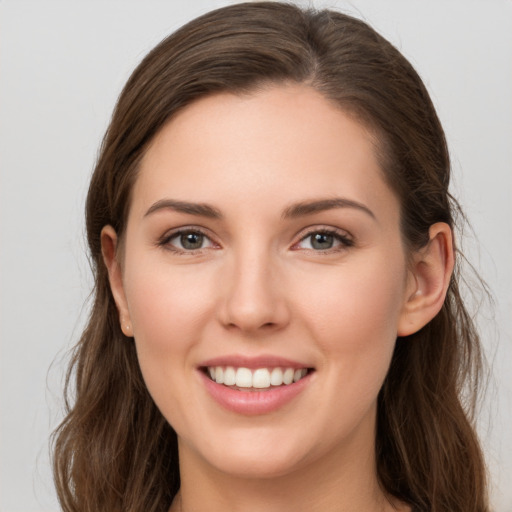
(260,378)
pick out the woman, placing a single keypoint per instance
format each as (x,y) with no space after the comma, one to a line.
(277,322)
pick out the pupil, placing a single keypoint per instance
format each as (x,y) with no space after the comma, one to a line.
(322,241)
(191,240)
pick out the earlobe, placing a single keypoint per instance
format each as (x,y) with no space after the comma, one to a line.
(109,242)
(428,280)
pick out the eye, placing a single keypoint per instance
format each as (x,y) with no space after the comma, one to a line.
(186,241)
(324,240)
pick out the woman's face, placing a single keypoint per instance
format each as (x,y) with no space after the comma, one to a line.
(263,245)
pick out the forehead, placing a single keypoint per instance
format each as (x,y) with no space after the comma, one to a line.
(282,143)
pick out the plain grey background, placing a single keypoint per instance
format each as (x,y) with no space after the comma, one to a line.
(62,65)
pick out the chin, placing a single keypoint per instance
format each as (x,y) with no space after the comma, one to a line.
(252,466)
(255,456)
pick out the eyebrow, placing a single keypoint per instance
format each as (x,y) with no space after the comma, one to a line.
(295,210)
(199,209)
(312,207)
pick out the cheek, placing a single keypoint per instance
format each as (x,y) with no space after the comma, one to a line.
(168,309)
(354,313)
(167,305)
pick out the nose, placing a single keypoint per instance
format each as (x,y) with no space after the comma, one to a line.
(253,297)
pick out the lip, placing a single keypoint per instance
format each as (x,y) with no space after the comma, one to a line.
(253,403)
(253,363)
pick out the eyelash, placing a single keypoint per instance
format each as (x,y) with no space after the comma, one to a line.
(166,239)
(345,241)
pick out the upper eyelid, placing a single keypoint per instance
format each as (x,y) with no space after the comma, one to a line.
(305,232)
(186,229)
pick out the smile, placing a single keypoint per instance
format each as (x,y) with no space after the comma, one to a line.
(246,379)
(255,385)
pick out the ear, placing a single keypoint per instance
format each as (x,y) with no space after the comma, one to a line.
(109,242)
(428,280)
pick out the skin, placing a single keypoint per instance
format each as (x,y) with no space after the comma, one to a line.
(258,286)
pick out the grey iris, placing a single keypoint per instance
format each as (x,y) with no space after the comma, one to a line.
(191,240)
(322,241)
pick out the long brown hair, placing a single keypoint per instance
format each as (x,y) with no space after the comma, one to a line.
(114,450)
